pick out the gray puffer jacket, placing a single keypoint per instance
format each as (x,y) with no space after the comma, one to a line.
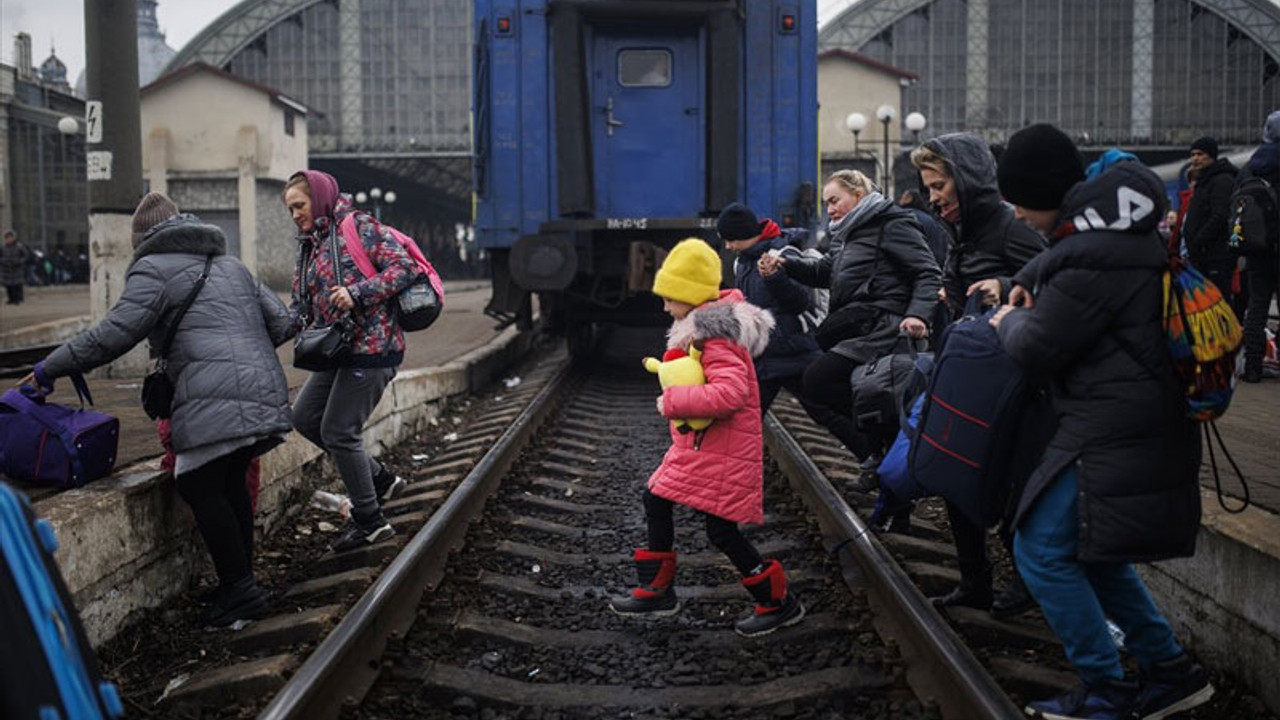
(227,380)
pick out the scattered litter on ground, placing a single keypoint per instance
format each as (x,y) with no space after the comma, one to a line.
(511,381)
(174,684)
(420,457)
(328,527)
(450,437)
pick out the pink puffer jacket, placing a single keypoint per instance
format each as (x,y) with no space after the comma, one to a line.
(719,470)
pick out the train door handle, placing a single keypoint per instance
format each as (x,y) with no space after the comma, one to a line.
(610,121)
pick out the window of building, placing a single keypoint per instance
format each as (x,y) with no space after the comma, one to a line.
(288,122)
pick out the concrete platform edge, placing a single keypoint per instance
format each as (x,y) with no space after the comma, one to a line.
(127,542)
(1222,601)
(47,333)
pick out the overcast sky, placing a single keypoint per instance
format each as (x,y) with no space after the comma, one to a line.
(62,23)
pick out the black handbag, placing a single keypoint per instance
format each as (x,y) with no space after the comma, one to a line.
(323,347)
(880,386)
(157,387)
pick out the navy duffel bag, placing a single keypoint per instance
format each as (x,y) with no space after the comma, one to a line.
(968,426)
(55,445)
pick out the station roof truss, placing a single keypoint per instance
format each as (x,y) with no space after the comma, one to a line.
(861,20)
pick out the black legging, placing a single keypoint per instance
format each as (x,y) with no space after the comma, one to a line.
(826,385)
(724,534)
(224,513)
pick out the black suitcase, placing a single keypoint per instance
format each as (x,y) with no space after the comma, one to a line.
(47,669)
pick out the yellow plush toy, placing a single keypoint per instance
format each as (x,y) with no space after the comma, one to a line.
(677,368)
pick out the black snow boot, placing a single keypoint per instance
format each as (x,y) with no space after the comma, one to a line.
(974,590)
(243,599)
(1013,600)
(655,597)
(775,607)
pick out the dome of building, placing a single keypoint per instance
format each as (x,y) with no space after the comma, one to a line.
(153,53)
(53,71)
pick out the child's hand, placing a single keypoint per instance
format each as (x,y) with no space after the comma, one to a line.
(660,405)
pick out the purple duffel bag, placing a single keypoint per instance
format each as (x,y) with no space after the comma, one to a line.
(52,444)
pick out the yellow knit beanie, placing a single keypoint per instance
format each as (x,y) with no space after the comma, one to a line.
(690,274)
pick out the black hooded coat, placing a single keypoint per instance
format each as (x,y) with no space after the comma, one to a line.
(989,242)
(1095,332)
(1206,227)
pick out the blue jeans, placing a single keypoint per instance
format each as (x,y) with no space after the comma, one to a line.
(1078,597)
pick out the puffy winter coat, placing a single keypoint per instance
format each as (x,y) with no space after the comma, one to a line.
(1095,331)
(791,347)
(885,276)
(13,263)
(721,469)
(989,241)
(378,340)
(227,379)
(1205,229)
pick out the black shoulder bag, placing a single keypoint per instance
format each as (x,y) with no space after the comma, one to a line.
(157,387)
(323,347)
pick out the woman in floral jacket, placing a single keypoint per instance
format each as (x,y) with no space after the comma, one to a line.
(333,406)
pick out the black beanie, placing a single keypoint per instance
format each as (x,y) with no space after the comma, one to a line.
(1038,166)
(737,222)
(1206,145)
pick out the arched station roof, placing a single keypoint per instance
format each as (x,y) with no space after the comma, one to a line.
(852,23)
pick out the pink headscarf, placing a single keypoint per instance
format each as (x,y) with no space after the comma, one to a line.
(324,192)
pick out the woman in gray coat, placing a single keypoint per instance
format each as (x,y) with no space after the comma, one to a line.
(231,401)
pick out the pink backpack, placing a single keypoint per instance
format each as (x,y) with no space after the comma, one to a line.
(417,305)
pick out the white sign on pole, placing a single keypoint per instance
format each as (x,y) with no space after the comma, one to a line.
(93,121)
(99,162)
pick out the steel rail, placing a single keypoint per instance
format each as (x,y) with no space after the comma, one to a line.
(345,665)
(16,362)
(940,666)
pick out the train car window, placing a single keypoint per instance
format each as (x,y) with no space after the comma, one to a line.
(644,68)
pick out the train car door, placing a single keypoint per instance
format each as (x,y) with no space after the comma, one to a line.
(647,123)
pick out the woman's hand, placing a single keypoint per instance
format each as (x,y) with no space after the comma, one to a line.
(995,319)
(914,327)
(29,379)
(990,289)
(340,298)
(768,265)
(1021,297)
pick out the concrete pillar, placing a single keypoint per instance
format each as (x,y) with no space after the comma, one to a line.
(158,156)
(6,198)
(114,143)
(349,82)
(975,96)
(246,186)
(1143,99)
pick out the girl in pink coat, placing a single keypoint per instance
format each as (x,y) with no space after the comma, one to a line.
(718,471)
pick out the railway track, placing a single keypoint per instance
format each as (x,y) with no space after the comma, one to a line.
(492,602)
(496,602)
(16,362)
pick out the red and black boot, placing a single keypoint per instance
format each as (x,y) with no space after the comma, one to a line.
(655,597)
(775,607)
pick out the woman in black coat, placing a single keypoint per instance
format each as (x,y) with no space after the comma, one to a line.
(989,244)
(1118,482)
(989,247)
(884,283)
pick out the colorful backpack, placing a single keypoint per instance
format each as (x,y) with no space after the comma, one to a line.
(418,305)
(1204,337)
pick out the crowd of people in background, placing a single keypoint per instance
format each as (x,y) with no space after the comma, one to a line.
(1107,462)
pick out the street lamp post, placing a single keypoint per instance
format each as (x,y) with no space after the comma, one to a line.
(378,197)
(915,123)
(885,114)
(855,123)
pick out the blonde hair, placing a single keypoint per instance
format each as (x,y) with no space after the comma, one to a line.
(924,158)
(852,180)
(298,180)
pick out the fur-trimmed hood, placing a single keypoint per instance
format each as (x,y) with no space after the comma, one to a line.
(730,317)
(183,233)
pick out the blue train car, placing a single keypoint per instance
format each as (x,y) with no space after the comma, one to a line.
(606,130)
